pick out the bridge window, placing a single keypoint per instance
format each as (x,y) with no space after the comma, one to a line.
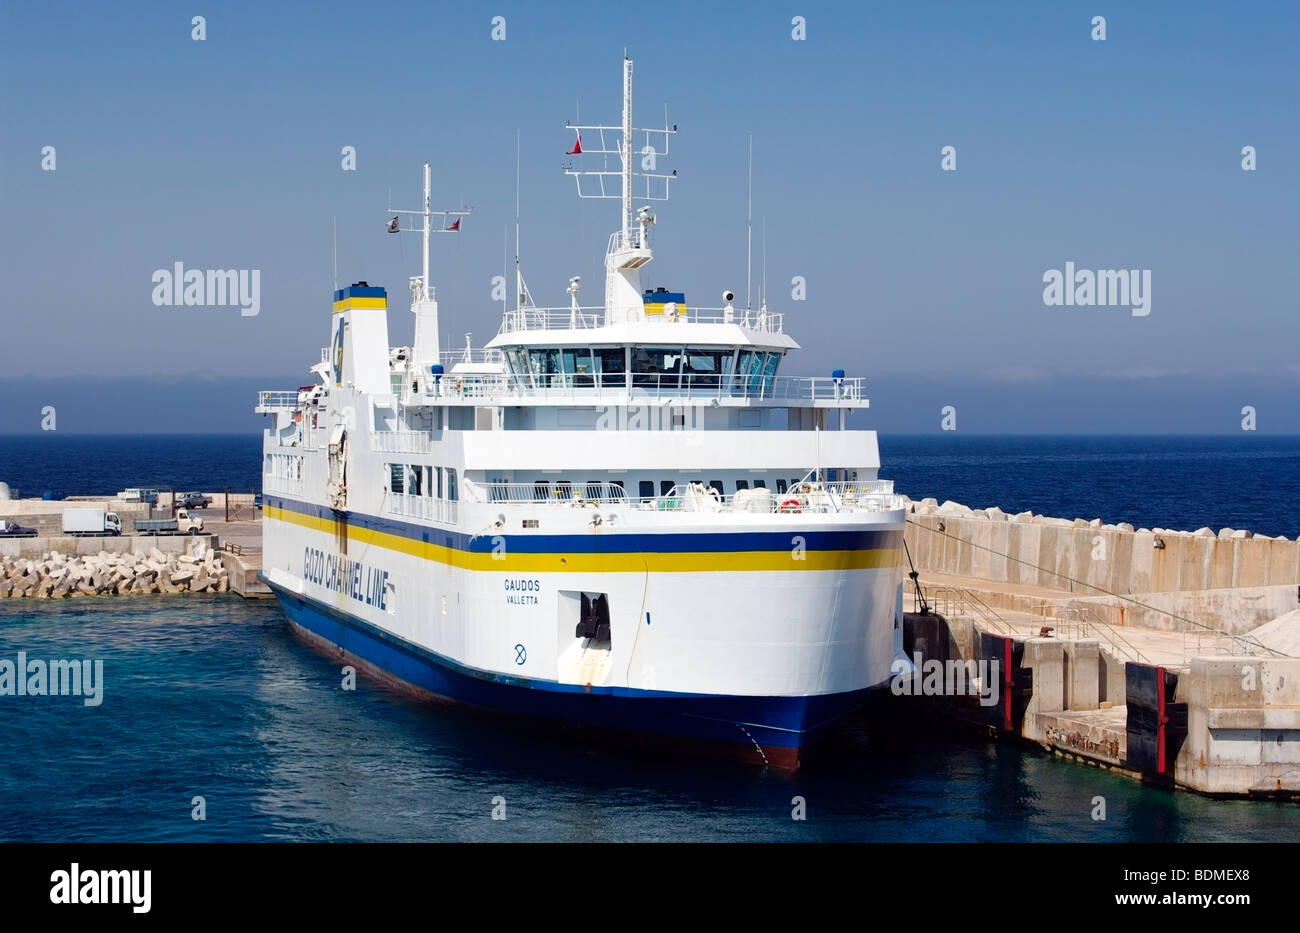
(611,364)
(717,484)
(545,366)
(780,486)
(646,489)
(578,365)
(742,484)
(654,367)
(564,490)
(706,367)
(666,486)
(760,484)
(541,490)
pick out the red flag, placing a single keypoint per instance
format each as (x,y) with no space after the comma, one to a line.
(577,147)
(455,225)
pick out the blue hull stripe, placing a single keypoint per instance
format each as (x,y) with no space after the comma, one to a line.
(668,543)
(786,723)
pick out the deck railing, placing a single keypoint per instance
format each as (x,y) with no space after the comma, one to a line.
(428,508)
(658,386)
(584,318)
(869,496)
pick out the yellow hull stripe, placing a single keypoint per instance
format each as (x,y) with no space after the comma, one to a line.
(638,562)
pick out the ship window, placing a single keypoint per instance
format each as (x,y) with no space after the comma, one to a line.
(706,367)
(451,484)
(666,486)
(563,490)
(717,484)
(416,484)
(742,484)
(646,489)
(515,357)
(578,366)
(395,471)
(541,490)
(656,366)
(545,367)
(610,365)
(769,370)
(780,486)
(593,490)
(760,484)
(437,472)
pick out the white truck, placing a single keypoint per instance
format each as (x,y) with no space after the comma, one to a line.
(185,523)
(87,522)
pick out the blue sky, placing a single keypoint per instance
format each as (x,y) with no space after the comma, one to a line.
(225,153)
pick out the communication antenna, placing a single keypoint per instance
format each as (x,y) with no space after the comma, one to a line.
(749,231)
(336,253)
(523,298)
(425,228)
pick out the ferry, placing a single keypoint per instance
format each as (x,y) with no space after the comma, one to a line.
(621,517)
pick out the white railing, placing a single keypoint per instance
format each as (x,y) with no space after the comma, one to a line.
(282,484)
(801,498)
(428,508)
(558,494)
(401,442)
(276,400)
(525,319)
(658,386)
(450,358)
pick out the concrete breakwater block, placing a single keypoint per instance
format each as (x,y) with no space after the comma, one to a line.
(55,575)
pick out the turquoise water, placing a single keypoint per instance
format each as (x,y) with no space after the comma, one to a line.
(214,696)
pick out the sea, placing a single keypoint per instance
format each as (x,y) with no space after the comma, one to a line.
(216,724)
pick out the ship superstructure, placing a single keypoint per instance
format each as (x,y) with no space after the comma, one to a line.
(621,516)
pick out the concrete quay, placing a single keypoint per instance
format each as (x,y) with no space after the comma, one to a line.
(1177,663)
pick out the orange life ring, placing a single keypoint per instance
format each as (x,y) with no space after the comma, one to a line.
(791,505)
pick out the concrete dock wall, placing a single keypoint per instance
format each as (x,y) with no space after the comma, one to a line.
(1243,719)
(1088,557)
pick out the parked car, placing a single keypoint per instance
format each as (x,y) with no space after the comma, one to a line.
(10,529)
(192,500)
(140,495)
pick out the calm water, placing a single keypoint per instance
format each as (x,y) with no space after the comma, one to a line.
(1247,481)
(214,697)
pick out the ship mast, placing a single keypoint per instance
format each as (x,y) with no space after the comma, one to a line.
(423,303)
(629,247)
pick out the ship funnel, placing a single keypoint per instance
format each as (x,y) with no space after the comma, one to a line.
(359,339)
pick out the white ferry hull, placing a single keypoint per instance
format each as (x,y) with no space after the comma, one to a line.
(751,663)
